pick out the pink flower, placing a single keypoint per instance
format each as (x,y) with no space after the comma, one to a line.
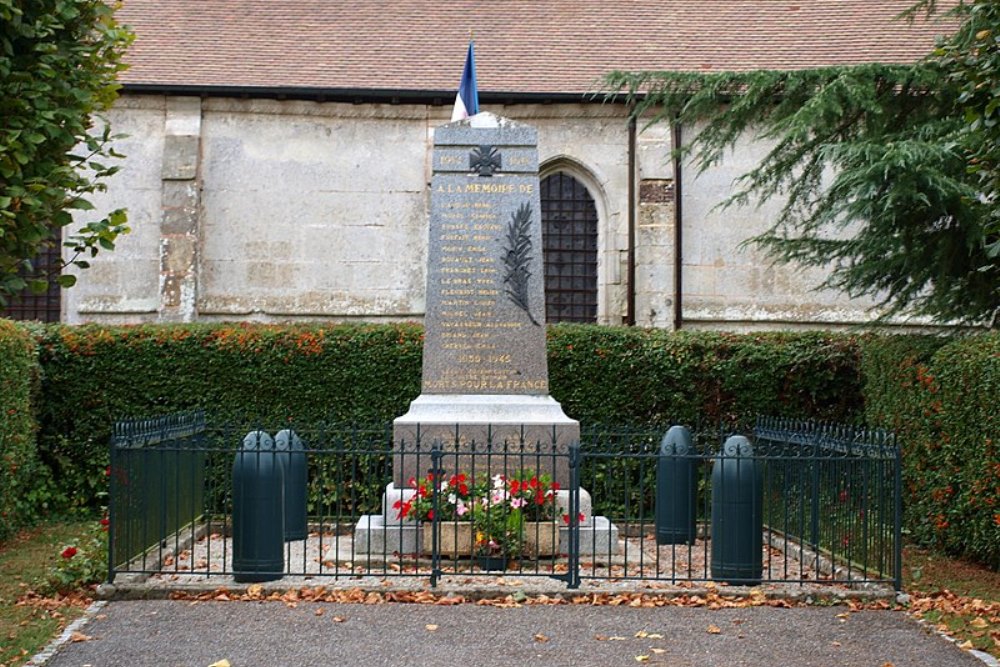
(517,503)
(461,508)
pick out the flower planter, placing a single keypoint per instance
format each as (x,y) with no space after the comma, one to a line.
(454,539)
(492,563)
(541,538)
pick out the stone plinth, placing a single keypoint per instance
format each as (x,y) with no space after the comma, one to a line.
(508,434)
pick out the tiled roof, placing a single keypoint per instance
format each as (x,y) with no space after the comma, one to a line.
(522,46)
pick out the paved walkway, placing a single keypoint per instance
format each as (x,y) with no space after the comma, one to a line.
(164,633)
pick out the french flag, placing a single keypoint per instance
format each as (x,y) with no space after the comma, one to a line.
(467,100)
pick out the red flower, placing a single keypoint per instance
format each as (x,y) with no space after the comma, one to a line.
(403,508)
(430,515)
(579,517)
(843,495)
(107,471)
(69,552)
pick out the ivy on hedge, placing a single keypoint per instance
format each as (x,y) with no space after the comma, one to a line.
(22,478)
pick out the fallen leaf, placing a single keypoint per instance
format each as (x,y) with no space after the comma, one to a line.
(617,639)
(967,645)
(713,630)
(658,651)
(338,619)
(221,663)
(642,634)
(979,622)
(79,637)
(642,658)
(835,644)
(431,627)
(654,635)
(541,638)
(320,611)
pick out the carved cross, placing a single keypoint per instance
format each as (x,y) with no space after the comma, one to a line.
(485,159)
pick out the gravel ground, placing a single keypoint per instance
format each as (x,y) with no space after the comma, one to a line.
(185,634)
(322,555)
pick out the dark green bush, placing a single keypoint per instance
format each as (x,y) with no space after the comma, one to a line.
(22,480)
(941,397)
(368,374)
(653,377)
(243,373)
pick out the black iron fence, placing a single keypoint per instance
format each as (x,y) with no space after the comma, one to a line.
(795,503)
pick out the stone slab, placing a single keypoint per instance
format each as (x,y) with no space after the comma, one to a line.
(386,533)
(485,310)
(484,434)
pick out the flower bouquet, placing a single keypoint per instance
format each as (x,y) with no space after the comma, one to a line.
(453,517)
(498,522)
(535,496)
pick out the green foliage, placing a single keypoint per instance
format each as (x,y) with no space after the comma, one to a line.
(367,375)
(942,401)
(888,172)
(81,562)
(21,475)
(58,63)
(650,377)
(240,374)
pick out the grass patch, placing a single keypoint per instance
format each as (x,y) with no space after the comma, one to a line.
(28,620)
(959,598)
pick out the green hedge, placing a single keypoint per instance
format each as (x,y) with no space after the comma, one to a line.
(22,480)
(943,400)
(369,373)
(938,394)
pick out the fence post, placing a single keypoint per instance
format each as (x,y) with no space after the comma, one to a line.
(113,498)
(897,533)
(573,557)
(437,454)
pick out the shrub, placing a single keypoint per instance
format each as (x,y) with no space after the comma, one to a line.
(365,374)
(940,397)
(22,480)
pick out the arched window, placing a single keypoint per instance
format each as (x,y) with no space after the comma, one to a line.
(569,241)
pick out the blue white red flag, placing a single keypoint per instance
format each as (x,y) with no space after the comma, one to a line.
(467,100)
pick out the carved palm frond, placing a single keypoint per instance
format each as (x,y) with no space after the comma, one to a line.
(517,258)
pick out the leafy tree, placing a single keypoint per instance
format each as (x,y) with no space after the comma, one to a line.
(889,172)
(58,64)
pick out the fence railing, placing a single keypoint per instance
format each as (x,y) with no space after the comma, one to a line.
(825,499)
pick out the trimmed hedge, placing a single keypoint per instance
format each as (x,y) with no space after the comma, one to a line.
(243,373)
(943,399)
(938,394)
(364,374)
(22,480)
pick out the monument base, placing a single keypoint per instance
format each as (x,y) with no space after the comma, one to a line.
(386,534)
(507,432)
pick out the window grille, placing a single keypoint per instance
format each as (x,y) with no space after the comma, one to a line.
(44,307)
(569,240)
